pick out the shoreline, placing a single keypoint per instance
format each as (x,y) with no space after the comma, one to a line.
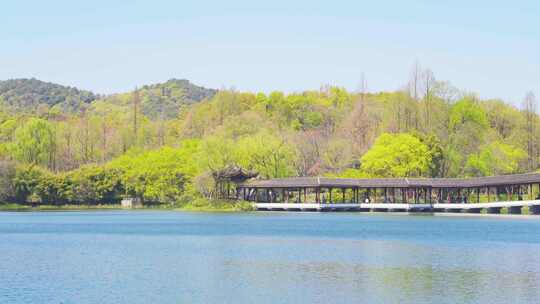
(392,213)
(79,208)
(116,207)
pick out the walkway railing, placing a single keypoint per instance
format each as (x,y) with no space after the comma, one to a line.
(513,207)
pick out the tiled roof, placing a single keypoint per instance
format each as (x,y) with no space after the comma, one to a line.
(301,182)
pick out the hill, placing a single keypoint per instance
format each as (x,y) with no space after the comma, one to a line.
(166,99)
(29,95)
(161,100)
(181,91)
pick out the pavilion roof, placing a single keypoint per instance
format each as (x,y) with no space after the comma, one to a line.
(473,182)
(235,174)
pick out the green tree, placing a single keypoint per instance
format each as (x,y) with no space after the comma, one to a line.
(52,188)
(396,155)
(495,159)
(7,130)
(267,154)
(25,182)
(216,153)
(436,151)
(162,175)
(92,184)
(35,143)
(468,124)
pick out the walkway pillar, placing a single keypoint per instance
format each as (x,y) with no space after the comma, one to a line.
(404,195)
(514,210)
(494,210)
(534,209)
(475,210)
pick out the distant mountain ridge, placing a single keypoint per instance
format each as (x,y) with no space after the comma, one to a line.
(31,95)
(164,100)
(191,93)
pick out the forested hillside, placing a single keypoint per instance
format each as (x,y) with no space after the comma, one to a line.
(164,143)
(164,101)
(35,96)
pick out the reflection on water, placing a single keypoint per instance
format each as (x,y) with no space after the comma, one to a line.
(167,257)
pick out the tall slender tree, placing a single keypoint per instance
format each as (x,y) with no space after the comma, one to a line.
(136,109)
(529,110)
(428,82)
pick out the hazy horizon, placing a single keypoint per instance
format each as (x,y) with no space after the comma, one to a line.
(486,47)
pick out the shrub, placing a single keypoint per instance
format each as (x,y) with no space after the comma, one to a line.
(25,182)
(94,184)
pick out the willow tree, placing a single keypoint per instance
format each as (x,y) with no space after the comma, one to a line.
(35,143)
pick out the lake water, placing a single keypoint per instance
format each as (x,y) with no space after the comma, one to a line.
(174,257)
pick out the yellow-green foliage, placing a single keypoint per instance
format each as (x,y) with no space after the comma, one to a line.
(203,204)
(267,154)
(166,148)
(263,152)
(34,142)
(396,155)
(159,176)
(495,159)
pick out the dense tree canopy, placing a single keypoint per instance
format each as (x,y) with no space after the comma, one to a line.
(164,142)
(398,155)
(496,158)
(33,95)
(35,143)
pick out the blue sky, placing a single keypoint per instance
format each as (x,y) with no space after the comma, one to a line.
(489,47)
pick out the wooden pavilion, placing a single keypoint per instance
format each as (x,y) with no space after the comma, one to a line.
(229,177)
(321,190)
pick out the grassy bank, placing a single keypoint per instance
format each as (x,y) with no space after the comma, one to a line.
(206,205)
(201,205)
(20,207)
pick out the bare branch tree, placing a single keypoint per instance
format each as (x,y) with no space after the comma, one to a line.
(428,83)
(414,81)
(529,110)
(136,106)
